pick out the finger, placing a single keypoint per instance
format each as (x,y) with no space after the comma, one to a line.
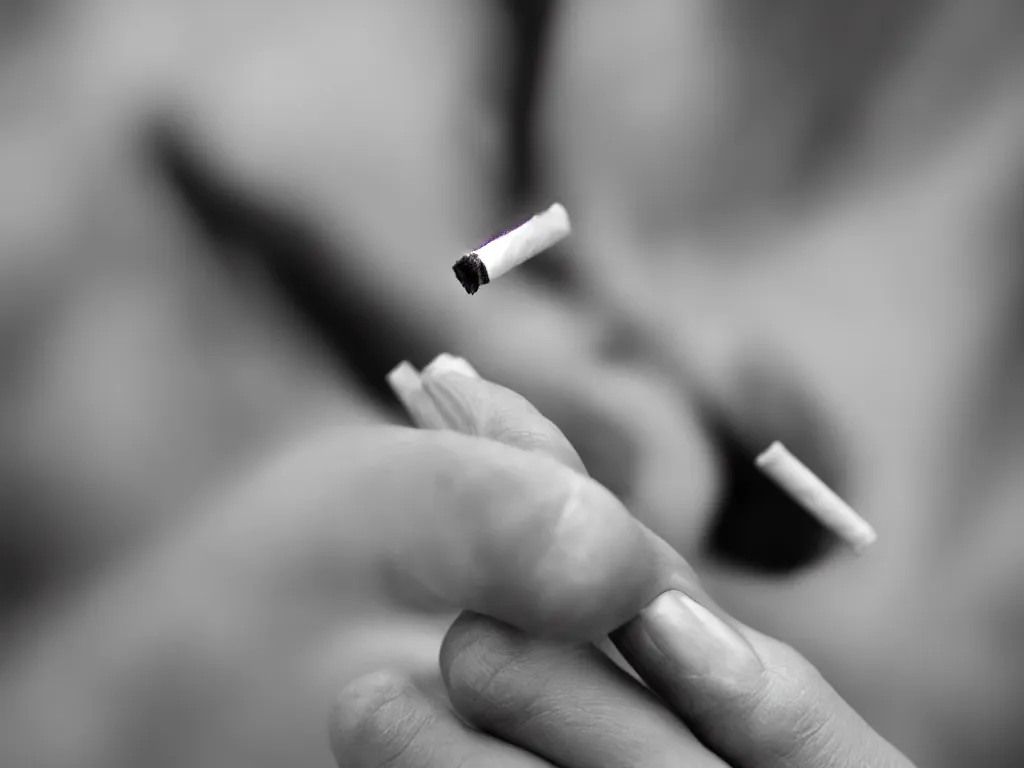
(471,405)
(752,699)
(385,719)
(474,406)
(476,399)
(444,521)
(568,704)
(452,364)
(407,385)
(478,655)
(635,438)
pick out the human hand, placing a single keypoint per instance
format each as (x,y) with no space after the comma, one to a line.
(292,563)
(221,608)
(725,694)
(724,698)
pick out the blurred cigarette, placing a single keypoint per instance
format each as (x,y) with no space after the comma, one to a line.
(794,477)
(491,261)
(406,383)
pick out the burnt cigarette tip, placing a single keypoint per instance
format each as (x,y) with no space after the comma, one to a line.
(471,272)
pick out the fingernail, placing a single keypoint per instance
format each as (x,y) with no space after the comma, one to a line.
(445,363)
(449,399)
(452,403)
(697,641)
(407,384)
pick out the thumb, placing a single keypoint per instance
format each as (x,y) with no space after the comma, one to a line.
(752,699)
(440,520)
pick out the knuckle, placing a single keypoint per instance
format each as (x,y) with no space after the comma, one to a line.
(478,659)
(375,714)
(785,710)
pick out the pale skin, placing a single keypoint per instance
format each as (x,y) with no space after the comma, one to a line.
(189,458)
(507,698)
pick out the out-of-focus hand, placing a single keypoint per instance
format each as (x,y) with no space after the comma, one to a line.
(725,694)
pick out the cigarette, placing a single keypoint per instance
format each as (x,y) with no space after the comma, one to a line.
(405,381)
(794,477)
(491,261)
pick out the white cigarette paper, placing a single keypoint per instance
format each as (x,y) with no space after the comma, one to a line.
(794,477)
(504,253)
(542,231)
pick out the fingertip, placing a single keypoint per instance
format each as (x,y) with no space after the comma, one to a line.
(363,709)
(475,406)
(445,363)
(407,385)
(771,707)
(459,399)
(389,719)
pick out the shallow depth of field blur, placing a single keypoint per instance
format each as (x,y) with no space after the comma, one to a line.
(222,222)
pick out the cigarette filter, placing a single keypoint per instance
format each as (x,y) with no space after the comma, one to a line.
(491,261)
(794,477)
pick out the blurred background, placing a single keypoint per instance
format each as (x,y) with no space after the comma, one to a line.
(222,222)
